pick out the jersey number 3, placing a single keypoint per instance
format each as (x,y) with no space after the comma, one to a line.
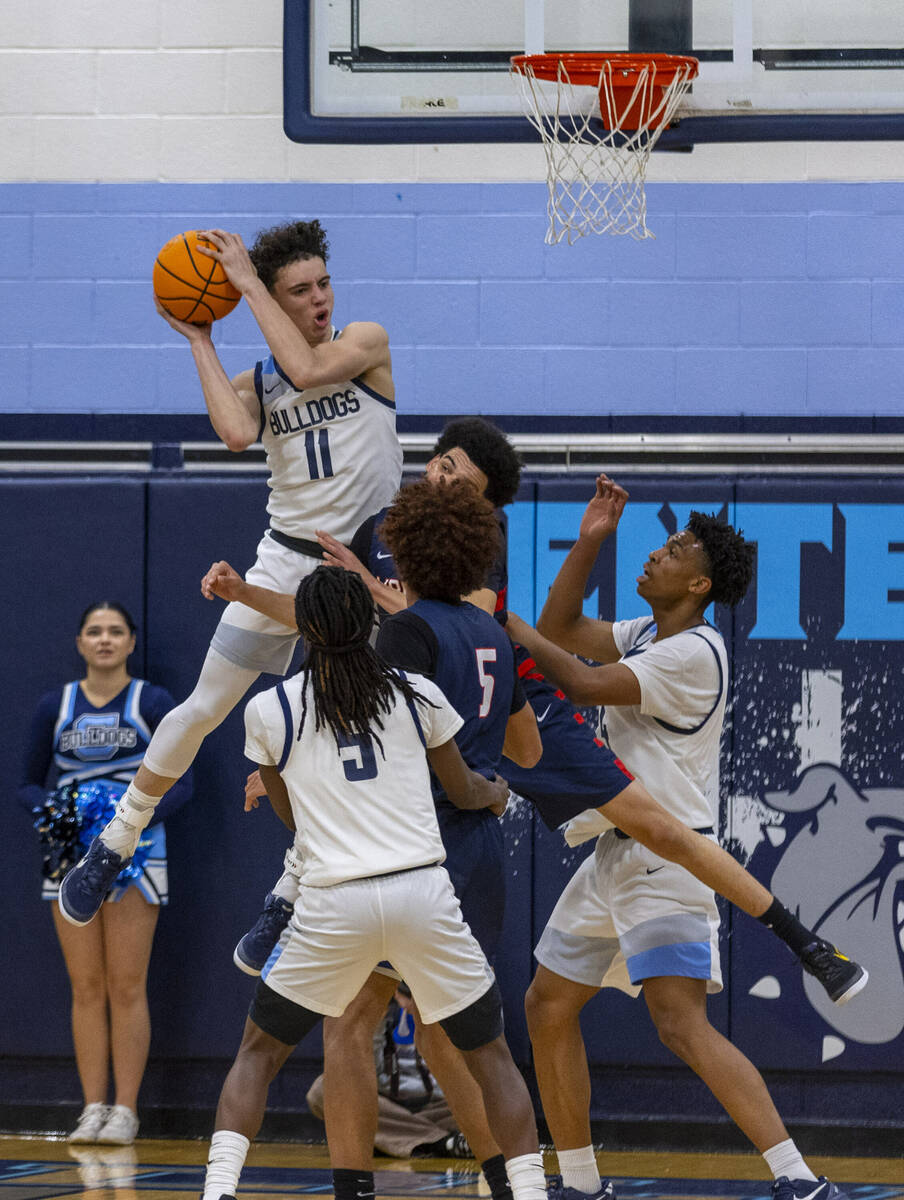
(358,758)
(485,656)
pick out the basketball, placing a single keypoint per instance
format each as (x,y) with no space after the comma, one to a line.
(191,286)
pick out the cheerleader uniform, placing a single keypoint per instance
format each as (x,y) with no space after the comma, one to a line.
(73,742)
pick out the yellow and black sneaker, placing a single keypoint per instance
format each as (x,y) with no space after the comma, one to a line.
(841,977)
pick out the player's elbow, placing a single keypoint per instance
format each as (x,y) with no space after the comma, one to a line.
(527,752)
(237,440)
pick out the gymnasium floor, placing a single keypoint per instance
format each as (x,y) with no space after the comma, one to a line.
(43,1168)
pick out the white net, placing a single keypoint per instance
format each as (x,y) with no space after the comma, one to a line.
(596,167)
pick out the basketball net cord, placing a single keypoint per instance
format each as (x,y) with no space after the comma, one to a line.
(595,175)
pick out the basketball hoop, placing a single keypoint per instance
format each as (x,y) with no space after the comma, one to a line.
(599,116)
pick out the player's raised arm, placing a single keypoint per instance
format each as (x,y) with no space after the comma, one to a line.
(232,405)
(293,312)
(562,619)
(581,683)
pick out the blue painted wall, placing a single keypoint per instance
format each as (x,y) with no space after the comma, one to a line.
(757,299)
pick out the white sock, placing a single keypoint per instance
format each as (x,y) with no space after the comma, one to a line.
(784,1159)
(228,1152)
(579,1169)
(286,887)
(526,1177)
(133,812)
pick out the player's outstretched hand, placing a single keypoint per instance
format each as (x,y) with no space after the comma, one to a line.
(603,513)
(337,555)
(221,580)
(229,251)
(254,790)
(194,333)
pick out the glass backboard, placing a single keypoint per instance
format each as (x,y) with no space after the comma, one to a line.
(409,71)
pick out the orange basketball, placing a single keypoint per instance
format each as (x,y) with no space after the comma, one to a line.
(191,286)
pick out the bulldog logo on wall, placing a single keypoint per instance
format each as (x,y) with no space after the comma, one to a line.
(853,898)
(856,899)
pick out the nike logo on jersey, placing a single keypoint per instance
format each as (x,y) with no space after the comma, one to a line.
(543,713)
(268,390)
(382,556)
(653,870)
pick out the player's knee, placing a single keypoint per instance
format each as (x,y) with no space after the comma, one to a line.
(200,713)
(279,1018)
(678,1032)
(478,1024)
(538,1010)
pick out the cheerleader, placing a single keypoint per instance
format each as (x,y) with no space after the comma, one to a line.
(87,740)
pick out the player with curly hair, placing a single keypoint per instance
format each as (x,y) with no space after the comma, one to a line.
(630,918)
(323,404)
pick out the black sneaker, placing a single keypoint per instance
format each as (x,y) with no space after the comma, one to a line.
(841,977)
(805,1189)
(85,887)
(252,952)
(556,1190)
(456,1146)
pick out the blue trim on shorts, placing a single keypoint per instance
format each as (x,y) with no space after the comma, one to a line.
(693,960)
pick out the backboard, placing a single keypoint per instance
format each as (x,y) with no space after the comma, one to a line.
(409,71)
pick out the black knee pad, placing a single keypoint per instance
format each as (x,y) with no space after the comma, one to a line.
(283,1019)
(478,1024)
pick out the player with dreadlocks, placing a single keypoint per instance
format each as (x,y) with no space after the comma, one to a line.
(353,688)
(354,783)
(629,918)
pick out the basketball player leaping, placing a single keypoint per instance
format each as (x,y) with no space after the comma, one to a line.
(333,457)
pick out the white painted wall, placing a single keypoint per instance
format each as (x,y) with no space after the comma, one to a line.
(166,90)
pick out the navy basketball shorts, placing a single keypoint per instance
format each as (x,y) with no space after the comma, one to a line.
(577,770)
(475,860)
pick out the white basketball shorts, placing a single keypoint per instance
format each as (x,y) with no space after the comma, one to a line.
(412,919)
(249,639)
(627,915)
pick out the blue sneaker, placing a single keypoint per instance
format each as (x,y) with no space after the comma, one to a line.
(252,952)
(556,1190)
(805,1189)
(85,887)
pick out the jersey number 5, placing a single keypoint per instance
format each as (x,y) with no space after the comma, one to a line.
(358,758)
(487,682)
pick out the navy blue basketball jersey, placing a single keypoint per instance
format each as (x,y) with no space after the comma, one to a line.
(469,657)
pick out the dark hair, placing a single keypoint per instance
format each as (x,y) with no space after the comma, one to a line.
(730,558)
(490,450)
(352,685)
(114,606)
(280,245)
(444,538)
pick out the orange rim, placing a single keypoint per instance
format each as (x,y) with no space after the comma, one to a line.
(584,69)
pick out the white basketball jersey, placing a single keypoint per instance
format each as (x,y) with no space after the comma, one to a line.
(670,741)
(332,451)
(358,810)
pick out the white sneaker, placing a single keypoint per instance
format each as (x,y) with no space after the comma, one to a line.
(90,1123)
(119,1128)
